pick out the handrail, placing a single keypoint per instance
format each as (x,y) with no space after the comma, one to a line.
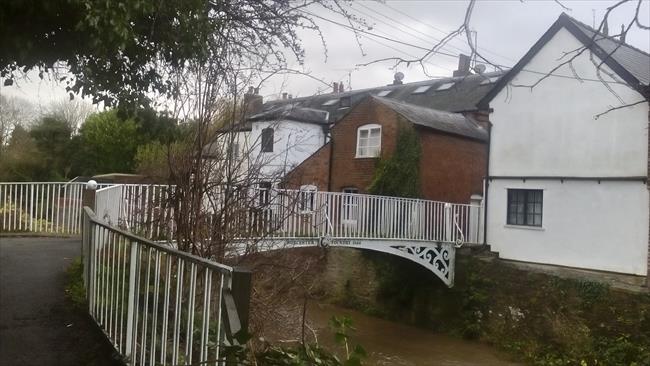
(163,248)
(157,304)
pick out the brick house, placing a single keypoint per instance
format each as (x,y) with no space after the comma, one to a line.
(453,155)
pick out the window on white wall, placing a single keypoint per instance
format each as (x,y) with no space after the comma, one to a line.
(267,140)
(369,141)
(525,207)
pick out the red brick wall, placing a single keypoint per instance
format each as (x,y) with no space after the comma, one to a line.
(314,170)
(451,168)
(347,170)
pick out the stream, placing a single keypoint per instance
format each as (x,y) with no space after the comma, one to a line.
(390,343)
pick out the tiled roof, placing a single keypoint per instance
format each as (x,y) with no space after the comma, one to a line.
(454,123)
(635,61)
(292,112)
(461,96)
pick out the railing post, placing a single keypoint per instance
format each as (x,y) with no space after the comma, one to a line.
(133,256)
(241,285)
(476,219)
(88,198)
(449,223)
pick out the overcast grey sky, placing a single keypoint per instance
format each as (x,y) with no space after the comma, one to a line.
(506,29)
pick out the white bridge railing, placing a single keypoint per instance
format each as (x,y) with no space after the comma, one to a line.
(275,213)
(158,305)
(298,214)
(41,207)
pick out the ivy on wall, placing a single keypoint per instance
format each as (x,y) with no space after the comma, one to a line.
(399,174)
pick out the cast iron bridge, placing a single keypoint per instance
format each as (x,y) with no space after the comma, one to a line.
(425,232)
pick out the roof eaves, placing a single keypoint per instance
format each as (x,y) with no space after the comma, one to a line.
(568,23)
(592,45)
(474,136)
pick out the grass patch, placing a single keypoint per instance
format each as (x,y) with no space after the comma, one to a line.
(74,289)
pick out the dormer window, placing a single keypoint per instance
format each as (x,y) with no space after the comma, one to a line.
(369,141)
(344,102)
(267,140)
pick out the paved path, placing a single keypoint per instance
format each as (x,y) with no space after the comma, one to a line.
(37,324)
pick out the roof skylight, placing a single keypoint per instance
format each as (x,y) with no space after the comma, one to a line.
(331,102)
(384,93)
(421,89)
(445,86)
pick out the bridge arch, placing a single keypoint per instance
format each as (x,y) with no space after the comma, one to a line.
(439,257)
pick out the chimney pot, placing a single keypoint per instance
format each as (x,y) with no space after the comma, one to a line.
(335,87)
(463,65)
(341,87)
(256,91)
(251,90)
(284,95)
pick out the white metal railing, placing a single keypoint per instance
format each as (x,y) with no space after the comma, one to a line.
(41,207)
(108,204)
(284,213)
(280,213)
(157,305)
(295,213)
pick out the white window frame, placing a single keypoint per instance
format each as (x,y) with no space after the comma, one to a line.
(371,151)
(307,198)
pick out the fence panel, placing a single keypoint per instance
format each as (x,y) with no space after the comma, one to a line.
(41,207)
(157,305)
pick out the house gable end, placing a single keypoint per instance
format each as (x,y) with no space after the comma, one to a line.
(564,21)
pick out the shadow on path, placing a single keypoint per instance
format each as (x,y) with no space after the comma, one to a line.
(38,325)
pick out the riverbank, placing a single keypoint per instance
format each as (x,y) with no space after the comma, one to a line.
(389,343)
(538,318)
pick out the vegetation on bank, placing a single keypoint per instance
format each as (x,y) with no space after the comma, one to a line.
(540,319)
(298,354)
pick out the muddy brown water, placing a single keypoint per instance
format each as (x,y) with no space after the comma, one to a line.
(391,343)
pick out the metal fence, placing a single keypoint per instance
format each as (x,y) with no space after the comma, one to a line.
(147,210)
(157,305)
(295,213)
(41,207)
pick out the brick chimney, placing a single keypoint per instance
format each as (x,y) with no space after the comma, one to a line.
(463,65)
(335,87)
(253,101)
(341,87)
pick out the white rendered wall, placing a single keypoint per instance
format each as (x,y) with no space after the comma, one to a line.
(550,130)
(584,224)
(293,143)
